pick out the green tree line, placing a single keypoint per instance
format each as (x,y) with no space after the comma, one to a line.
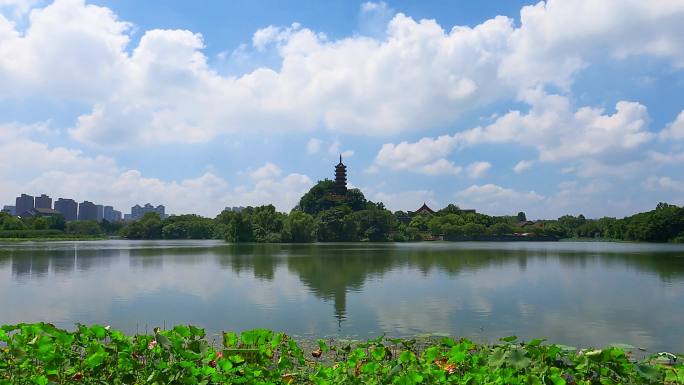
(663,224)
(324,217)
(321,216)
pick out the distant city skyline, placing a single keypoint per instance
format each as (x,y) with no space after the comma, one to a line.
(551,108)
(70,209)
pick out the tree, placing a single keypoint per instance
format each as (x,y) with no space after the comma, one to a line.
(350,228)
(330,226)
(590,229)
(435,225)
(473,229)
(318,198)
(570,223)
(200,229)
(407,234)
(553,229)
(83,228)
(152,225)
(176,230)
(376,222)
(299,227)
(147,227)
(355,199)
(188,227)
(40,223)
(12,223)
(266,223)
(449,209)
(500,229)
(239,229)
(420,222)
(522,217)
(111,227)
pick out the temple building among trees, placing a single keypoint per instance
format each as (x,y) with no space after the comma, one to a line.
(426,210)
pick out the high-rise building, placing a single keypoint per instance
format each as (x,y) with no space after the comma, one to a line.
(100,212)
(87,211)
(68,208)
(235,209)
(138,212)
(23,204)
(161,210)
(107,213)
(111,215)
(43,202)
(11,210)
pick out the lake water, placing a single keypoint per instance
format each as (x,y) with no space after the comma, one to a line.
(579,294)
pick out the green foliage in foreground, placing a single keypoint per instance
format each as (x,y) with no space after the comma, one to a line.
(42,354)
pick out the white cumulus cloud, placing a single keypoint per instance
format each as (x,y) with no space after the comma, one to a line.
(478,169)
(522,166)
(425,156)
(558,132)
(552,127)
(268,170)
(665,183)
(417,75)
(558,38)
(674,130)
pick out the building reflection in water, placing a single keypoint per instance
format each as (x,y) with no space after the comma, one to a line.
(39,263)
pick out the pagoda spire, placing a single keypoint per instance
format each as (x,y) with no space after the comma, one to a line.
(340,188)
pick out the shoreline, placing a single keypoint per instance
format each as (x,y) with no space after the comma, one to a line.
(483,239)
(55,239)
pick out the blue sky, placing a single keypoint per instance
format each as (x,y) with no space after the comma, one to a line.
(560,107)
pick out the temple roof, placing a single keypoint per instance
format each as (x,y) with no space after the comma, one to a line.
(39,211)
(340,164)
(425,208)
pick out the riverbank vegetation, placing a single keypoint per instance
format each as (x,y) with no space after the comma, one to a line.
(324,217)
(53,227)
(321,216)
(664,224)
(43,354)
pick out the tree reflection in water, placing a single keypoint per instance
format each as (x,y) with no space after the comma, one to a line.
(331,271)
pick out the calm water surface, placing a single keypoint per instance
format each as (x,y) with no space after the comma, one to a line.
(573,293)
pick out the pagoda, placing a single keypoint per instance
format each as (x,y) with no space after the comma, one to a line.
(340,187)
